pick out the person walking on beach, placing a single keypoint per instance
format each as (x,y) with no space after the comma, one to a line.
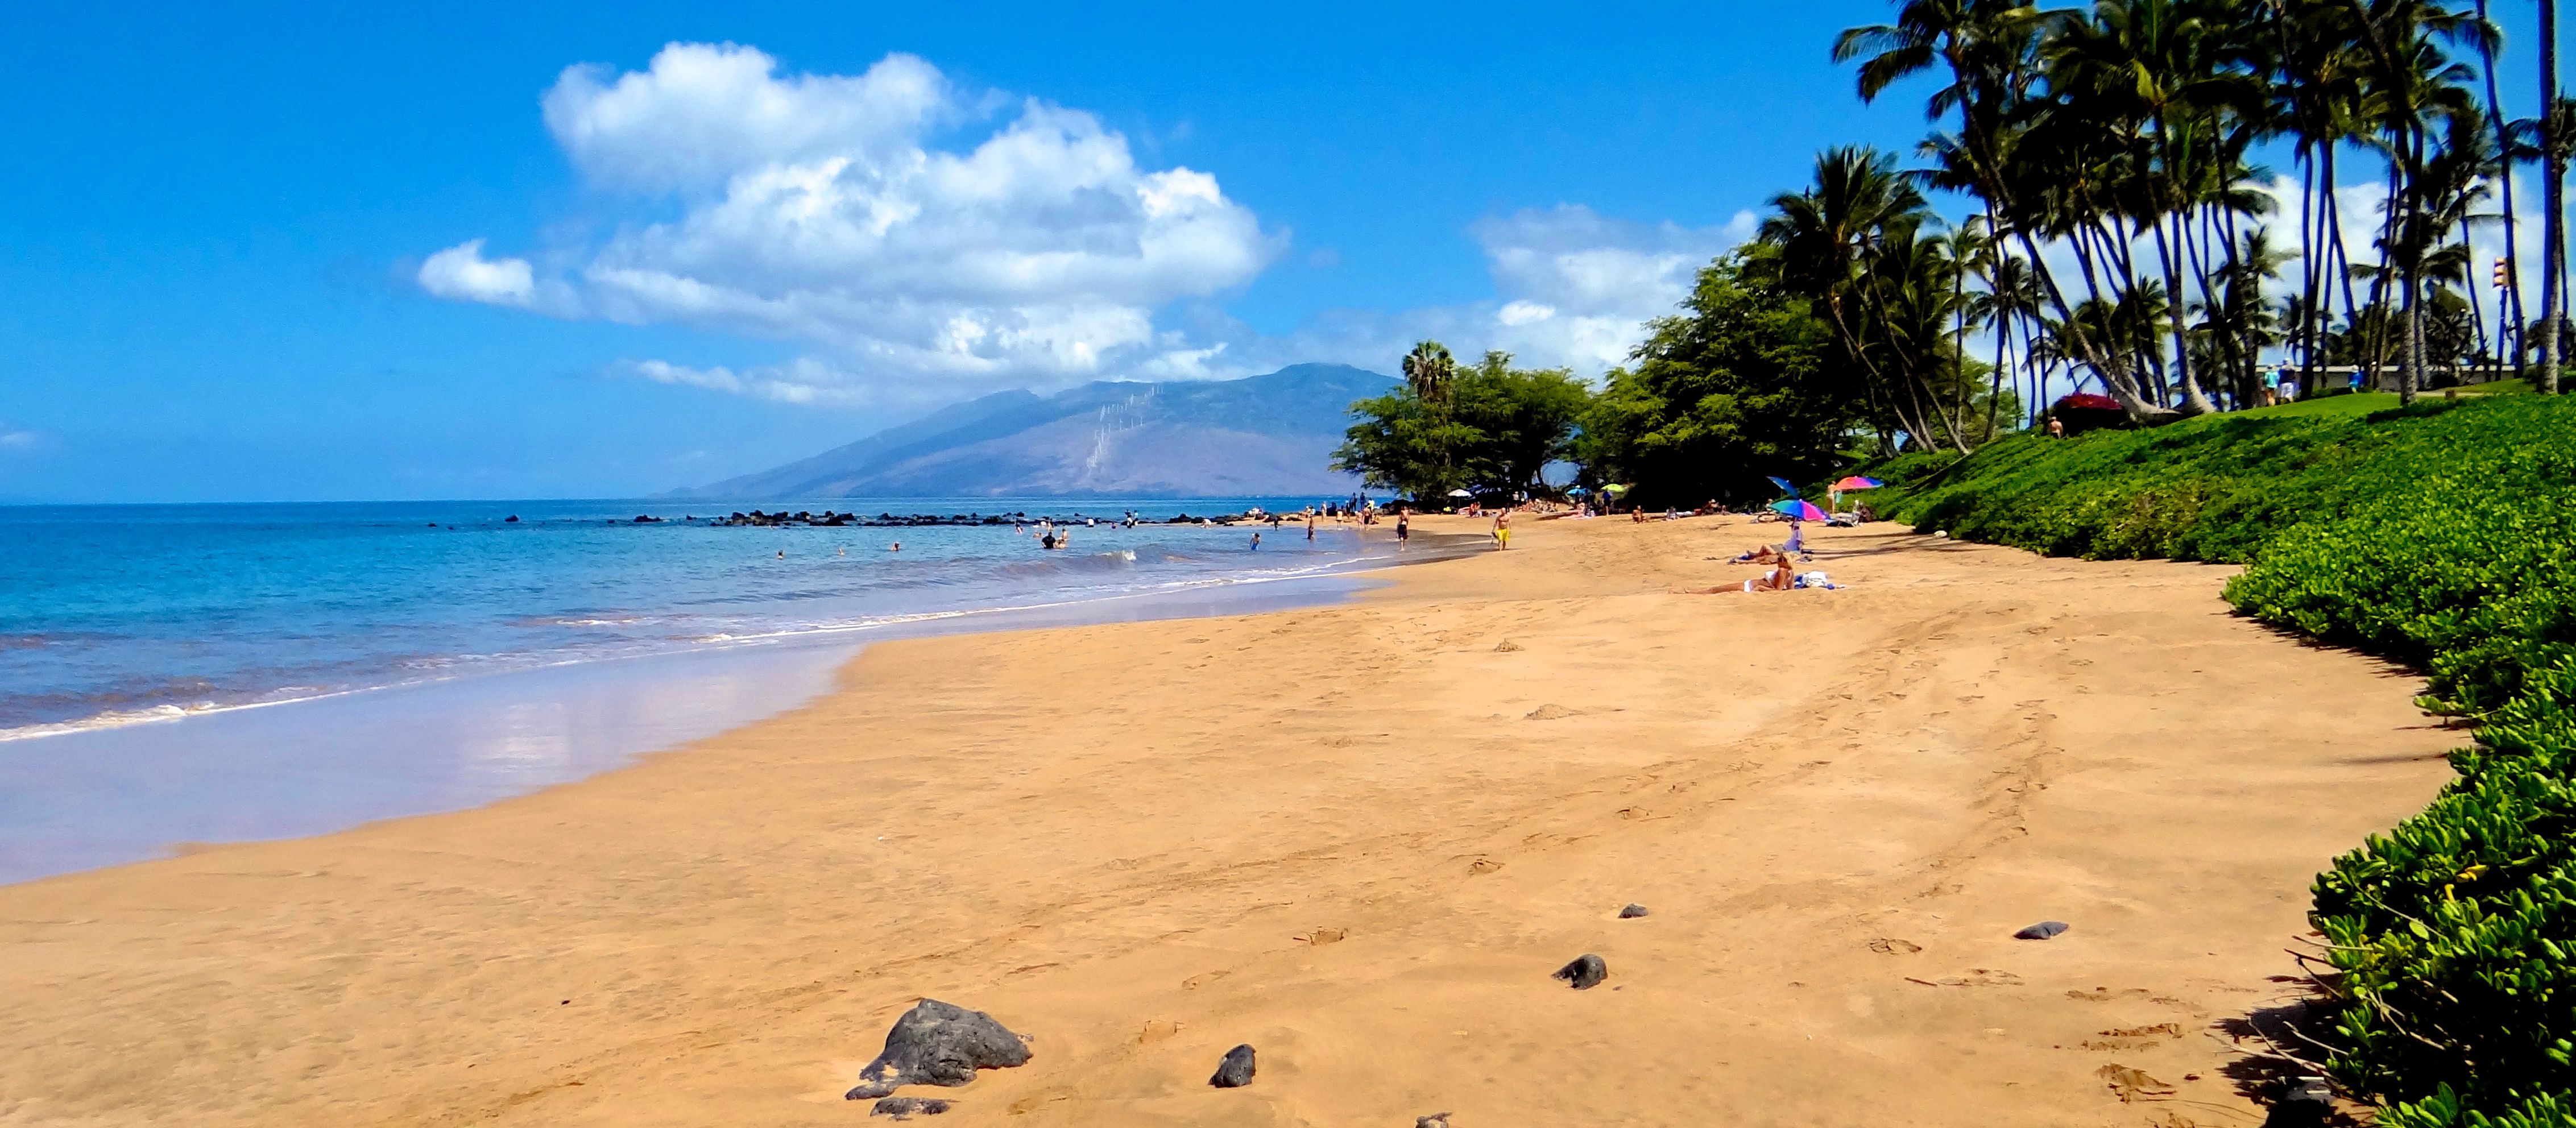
(1403,528)
(1502,528)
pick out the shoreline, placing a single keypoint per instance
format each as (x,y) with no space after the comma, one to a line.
(314,765)
(1358,836)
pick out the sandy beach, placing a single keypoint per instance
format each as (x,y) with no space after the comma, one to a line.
(1358,837)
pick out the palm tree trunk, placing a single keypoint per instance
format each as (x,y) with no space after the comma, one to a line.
(2311,271)
(2193,402)
(2553,240)
(2509,323)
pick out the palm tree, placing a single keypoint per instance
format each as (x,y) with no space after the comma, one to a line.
(1831,238)
(1429,368)
(2010,151)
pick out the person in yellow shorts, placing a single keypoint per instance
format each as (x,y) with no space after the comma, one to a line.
(1503,529)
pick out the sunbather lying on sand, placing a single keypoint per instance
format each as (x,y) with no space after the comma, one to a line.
(1780,578)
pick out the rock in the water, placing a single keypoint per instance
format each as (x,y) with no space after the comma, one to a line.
(1235,1071)
(2041,931)
(1585,972)
(904,1108)
(936,1043)
(1632,912)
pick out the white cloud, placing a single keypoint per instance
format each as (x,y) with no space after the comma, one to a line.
(819,209)
(701,114)
(803,380)
(461,272)
(1582,286)
(1574,289)
(14,439)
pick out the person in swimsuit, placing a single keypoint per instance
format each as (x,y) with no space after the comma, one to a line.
(1403,527)
(1780,578)
(1502,528)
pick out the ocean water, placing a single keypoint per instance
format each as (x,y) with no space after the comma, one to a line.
(121,615)
(172,674)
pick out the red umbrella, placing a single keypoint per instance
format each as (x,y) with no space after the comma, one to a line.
(1801,510)
(1856,482)
(2088,401)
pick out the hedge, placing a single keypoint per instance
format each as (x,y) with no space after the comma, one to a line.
(2445,535)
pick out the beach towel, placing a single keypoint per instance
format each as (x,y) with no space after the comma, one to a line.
(1814,580)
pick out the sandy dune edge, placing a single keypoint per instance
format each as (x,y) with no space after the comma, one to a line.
(1357,837)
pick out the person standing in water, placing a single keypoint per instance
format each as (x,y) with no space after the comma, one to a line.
(1310,524)
(1403,528)
(1256,540)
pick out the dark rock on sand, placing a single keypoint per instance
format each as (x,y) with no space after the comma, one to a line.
(2041,931)
(1632,912)
(2305,1102)
(904,1108)
(1435,1120)
(1587,971)
(936,1043)
(1235,1071)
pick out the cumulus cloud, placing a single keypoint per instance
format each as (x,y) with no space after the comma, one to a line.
(920,241)
(1582,285)
(461,272)
(822,210)
(1573,289)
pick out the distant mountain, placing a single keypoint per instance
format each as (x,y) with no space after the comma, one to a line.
(1258,436)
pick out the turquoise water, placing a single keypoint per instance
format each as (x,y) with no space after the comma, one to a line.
(224,673)
(131,614)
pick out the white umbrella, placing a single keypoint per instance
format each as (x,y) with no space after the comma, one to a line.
(1462,493)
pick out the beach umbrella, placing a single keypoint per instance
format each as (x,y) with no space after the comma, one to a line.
(1462,493)
(1785,487)
(1614,489)
(1799,509)
(1856,482)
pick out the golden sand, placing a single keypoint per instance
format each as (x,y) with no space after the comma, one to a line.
(1357,837)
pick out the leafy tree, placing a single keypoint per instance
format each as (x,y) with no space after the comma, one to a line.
(1523,420)
(1490,427)
(1744,382)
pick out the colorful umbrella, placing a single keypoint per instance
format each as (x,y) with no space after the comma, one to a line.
(1801,510)
(1856,482)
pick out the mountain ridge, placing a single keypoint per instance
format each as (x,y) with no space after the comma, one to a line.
(1266,435)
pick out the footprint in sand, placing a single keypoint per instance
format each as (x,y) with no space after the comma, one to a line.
(1550,712)
(1891,946)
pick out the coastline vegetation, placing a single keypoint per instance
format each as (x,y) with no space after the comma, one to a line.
(2113,231)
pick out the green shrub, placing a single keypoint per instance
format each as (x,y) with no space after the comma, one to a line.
(2444,534)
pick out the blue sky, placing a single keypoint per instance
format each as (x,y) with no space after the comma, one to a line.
(239,253)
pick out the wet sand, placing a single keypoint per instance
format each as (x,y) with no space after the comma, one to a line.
(1358,837)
